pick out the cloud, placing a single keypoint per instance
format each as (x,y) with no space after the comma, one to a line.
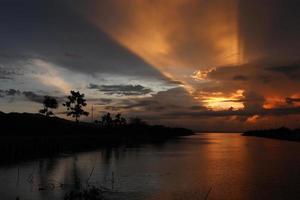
(234,63)
(8,73)
(73,55)
(240,78)
(175,99)
(137,105)
(272,81)
(9,92)
(39,98)
(126,90)
(202,33)
(66,40)
(33,96)
(290,100)
(271,31)
(241,113)
(292,71)
(105,100)
(253,101)
(12,92)
(175,106)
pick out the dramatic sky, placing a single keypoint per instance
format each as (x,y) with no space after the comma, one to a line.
(213,65)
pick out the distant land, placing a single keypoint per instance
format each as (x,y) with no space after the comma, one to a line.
(25,135)
(279,133)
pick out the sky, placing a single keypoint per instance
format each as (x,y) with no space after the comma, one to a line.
(217,65)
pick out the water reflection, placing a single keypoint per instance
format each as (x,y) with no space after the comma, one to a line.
(223,166)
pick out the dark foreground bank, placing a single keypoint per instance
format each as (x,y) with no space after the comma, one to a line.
(26,136)
(280,133)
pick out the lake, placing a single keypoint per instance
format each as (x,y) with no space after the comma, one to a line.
(212,166)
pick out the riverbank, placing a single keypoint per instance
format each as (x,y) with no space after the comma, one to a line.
(280,134)
(27,136)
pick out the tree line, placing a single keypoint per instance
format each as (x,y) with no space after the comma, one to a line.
(75,104)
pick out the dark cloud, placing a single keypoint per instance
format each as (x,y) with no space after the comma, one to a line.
(291,101)
(161,102)
(271,31)
(197,108)
(52,30)
(140,104)
(105,100)
(33,96)
(242,112)
(126,90)
(9,92)
(176,99)
(30,95)
(8,73)
(240,78)
(73,55)
(12,92)
(174,82)
(291,71)
(253,101)
(265,78)
(143,104)
(39,98)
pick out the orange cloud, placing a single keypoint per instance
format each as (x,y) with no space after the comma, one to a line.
(177,37)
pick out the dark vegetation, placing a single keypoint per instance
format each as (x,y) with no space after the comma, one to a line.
(49,103)
(26,136)
(75,104)
(90,193)
(280,133)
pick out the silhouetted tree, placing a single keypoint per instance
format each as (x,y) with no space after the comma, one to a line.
(107,121)
(137,121)
(119,120)
(75,104)
(123,121)
(48,103)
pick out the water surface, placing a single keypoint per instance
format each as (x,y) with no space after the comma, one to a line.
(228,165)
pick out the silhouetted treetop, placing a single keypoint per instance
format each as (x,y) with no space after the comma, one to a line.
(75,104)
(48,103)
(107,121)
(137,121)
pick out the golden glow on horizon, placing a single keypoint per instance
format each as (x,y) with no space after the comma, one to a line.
(219,102)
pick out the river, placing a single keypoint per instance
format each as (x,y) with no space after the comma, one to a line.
(211,165)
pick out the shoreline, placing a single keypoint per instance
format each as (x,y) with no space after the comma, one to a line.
(27,136)
(278,134)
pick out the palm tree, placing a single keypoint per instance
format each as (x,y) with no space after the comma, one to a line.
(75,104)
(48,103)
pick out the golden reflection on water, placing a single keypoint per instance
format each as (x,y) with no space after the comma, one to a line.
(208,169)
(232,166)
